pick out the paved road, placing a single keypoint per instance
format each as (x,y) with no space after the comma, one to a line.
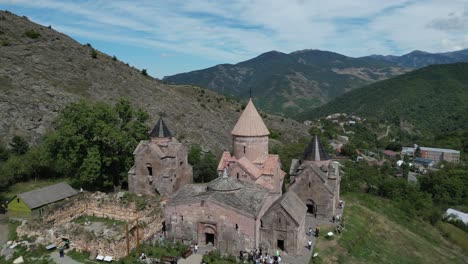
(65,260)
(192,259)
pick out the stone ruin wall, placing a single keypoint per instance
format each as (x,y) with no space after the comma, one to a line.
(99,205)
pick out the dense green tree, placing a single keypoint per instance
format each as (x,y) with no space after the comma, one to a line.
(93,142)
(4,153)
(448,186)
(417,152)
(19,145)
(30,165)
(349,150)
(204,164)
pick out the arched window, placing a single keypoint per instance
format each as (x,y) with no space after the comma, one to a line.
(244,149)
(261,223)
(309,184)
(149,168)
(237,227)
(237,175)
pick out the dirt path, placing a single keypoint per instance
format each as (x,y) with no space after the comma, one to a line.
(65,260)
(3,229)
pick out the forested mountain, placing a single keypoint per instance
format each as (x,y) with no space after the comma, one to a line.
(432,101)
(289,84)
(419,59)
(42,71)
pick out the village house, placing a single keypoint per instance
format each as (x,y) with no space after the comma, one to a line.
(33,203)
(161,165)
(434,154)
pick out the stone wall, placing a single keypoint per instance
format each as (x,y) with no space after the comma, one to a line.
(58,223)
(233,231)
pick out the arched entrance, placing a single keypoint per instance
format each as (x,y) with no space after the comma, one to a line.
(209,234)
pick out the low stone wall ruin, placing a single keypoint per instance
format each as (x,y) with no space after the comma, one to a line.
(58,223)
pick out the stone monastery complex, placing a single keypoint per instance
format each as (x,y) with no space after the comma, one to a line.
(244,208)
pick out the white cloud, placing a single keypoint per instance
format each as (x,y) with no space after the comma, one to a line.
(230,31)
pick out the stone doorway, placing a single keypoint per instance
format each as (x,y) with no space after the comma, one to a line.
(209,239)
(280,244)
(311,207)
(207,234)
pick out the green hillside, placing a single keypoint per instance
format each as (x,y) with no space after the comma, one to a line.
(432,100)
(378,232)
(289,84)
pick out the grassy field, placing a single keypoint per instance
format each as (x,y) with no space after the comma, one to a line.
(22,187)
(377,232)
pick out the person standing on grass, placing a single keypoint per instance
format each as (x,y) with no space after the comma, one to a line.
(317,231)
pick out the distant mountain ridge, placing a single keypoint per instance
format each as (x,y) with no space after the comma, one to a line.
(291,83)
(42,71)
(295,83)
(419,59)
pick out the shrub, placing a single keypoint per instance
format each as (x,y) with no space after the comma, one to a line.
(144,72)
(93,54)
(31,33)
(114,58)
(5,43)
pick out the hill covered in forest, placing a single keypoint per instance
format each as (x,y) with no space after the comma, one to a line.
(432,99)
(425,107)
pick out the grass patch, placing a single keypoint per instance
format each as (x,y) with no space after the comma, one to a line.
(82,257)
(107,221)
(31,33)
(157,251)
(35,254)
(12,225)
(22,187)
(377,232)
(454,234)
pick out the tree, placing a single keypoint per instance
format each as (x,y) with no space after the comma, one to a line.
(349,150)
(4,153)
(204,164)
(19,145)
(93,143)
(93,53)
(417,152)
(144,72)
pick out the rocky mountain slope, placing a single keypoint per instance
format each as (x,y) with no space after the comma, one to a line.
(289,84)
(42,70)
(419,59)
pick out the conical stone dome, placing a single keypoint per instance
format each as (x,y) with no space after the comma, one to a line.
(250,123)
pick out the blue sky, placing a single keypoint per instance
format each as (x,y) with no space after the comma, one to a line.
(168,37)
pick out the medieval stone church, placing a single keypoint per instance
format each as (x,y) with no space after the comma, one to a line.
(161,165)
(316,180)
(243,208)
